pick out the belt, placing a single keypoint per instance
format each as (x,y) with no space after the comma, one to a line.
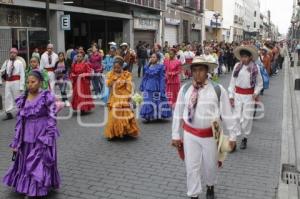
(13,78)
(244,91)
(50,69)
(203,133)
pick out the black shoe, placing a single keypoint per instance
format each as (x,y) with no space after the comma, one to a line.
(9,116)
(244,144)
(210,193)
(194,197)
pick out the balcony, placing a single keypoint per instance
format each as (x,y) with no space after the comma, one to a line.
(152,4)
(192,4)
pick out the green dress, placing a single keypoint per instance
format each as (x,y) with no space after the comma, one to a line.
(45,83)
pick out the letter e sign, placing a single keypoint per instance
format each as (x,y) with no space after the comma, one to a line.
(65,22)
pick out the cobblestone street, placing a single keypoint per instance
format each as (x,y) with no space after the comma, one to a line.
(148,167)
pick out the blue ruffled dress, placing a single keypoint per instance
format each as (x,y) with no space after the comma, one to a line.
(34,171)
(155,104)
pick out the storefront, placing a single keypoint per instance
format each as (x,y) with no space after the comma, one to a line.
(196,33)
(23,28)
(171,31)
(146,28)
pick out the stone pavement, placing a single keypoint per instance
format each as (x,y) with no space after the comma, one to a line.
(148,167)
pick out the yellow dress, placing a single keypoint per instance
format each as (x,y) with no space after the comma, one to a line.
(121,119)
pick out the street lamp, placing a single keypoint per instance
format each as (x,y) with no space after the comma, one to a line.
(217,15)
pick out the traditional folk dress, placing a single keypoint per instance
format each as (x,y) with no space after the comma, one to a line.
(245,81)
(34,171)
(121,119)
(173,71)
(15,82)
(48,62)
(155,104)
(196,109)
(80,77)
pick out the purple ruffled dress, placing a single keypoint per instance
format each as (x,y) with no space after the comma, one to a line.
(34,171)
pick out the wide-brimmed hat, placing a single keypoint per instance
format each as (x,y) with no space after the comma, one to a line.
(112,43)
(223,147)
(265,49)
(207,61)
(124,44)
(253,51)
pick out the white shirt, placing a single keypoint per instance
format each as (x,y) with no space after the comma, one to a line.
(243,81)
(45,61)
(189,55)
(181,57)
(19,69)
(208,110)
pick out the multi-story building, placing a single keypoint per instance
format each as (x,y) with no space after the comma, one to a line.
(182,21)
(213,20)
(23,23)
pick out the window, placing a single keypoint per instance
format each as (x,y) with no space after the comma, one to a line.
(254,25)
(254,13)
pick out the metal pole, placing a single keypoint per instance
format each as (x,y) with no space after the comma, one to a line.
(48,20)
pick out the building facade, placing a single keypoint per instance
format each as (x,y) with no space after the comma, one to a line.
(23,23)
(182,22)
(214,20)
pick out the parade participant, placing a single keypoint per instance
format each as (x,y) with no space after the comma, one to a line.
(173,70)
(199,104)
(34,171)
(14,72)
(157,49)
(80,76)
(189,56)
(36,53)
(155,104)
(95,61)
(283,54)
(61,76)
(81,50)
(48,60)
(34,65)
(108,62)
(265,59)
(245,86)
(121,119)
(128,56)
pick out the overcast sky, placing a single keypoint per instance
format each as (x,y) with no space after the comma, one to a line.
(281,12)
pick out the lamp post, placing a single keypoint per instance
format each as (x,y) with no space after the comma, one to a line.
(217,15)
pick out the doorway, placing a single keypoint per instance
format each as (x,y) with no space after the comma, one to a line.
(27,39)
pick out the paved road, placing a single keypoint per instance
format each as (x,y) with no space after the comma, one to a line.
(148,168)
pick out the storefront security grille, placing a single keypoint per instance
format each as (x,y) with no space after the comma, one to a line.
(5,44)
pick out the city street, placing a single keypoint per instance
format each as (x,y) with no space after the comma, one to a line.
(93,168)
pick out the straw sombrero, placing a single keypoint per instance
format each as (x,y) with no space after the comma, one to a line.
(124,44)
(201,60)
(249,48)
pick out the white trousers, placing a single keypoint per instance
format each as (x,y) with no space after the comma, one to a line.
(52,80)
(200,156)
(244,107)
(12,91)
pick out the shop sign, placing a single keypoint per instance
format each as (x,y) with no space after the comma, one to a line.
(21,17)
(65,22)
(171,21)
(7,1)
(145,24)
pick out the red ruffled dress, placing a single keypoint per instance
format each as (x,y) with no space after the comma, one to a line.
(173,71)
(80,76)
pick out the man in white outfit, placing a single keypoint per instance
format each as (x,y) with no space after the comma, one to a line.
(198,105)
(14,71)
(48,60)
(244,89)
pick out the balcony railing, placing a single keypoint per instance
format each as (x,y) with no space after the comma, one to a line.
(153,4)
